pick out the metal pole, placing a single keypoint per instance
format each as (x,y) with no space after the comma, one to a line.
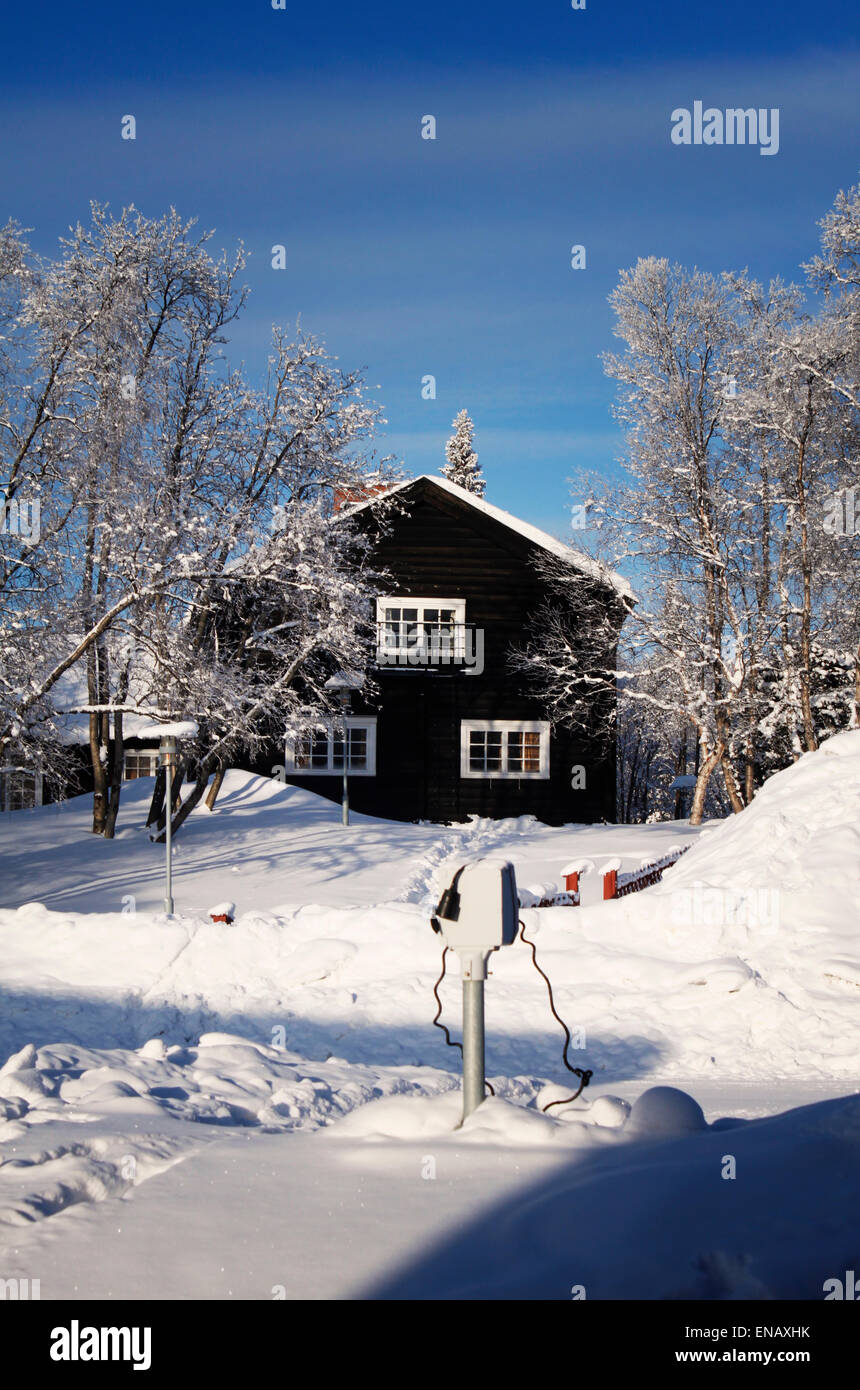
(345,799)
(473,1045)
(168,750)
(168,832)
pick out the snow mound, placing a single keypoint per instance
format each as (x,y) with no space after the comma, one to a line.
(498,1121)
(760,920)
(790,860)
(668,1220)
(665,1112)
(743,963)
(609,1111)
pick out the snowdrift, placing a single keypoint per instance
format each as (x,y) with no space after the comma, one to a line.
(147,1052)
(760,920)
(743,963)
(738,1211)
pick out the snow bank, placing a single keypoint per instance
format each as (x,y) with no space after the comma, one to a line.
(126,1115)
(131,1042)
(744,962)
(737,1211)
(761,920)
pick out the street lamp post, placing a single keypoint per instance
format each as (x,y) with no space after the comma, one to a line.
(342,685)
(167,758)
(168,736)
(344,707)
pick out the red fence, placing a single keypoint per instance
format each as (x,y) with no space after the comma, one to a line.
(615,883)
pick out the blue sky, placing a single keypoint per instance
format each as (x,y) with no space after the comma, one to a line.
(448,257)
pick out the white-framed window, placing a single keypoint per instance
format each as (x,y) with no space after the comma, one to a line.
(507,748)
(420,627)
(20,790)
(140,762)
(319,752)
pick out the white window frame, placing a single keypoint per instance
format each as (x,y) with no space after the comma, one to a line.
(525,726)
(457,605)
(7,776)
(332,729)
(150,753)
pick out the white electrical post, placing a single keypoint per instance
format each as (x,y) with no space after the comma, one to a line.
(474,973)
(477,913)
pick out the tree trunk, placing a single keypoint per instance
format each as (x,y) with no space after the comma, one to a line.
(99,776)
(749,771)
(117,766)
(217,782)
(630,775)
(160,819)
(806,572)
(156,805)
(646,786)
(731,784)
(118,759)
(751,745)
(680,771)
(190,802)
(704,776)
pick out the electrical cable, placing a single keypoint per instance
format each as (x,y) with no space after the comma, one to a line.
(583,1073)
(437,1024)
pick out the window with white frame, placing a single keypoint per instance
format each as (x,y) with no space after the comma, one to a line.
(140,762)
(417,626)
(508,748)
(20,790)
(320,751)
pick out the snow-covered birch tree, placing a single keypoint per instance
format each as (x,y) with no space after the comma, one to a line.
(161,473)
(738,517)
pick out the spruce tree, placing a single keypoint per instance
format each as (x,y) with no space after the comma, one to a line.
(462,466)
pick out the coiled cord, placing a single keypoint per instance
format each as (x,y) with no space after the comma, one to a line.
(583,1073)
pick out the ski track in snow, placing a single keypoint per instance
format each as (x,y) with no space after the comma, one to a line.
(437,865)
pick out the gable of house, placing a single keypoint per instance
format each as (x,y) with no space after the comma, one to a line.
(453,730)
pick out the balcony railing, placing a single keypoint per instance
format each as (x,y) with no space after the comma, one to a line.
(430,645)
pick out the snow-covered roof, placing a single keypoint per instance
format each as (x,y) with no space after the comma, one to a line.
(345,680)
(180,728)
(69,696)
(540,538)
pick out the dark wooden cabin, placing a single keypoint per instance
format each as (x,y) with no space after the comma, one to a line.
(453,731)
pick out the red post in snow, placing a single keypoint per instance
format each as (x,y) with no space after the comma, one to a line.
(610,883)
(571,882)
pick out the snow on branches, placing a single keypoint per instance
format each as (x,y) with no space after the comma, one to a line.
(186,564)
(462,461)
(737,516)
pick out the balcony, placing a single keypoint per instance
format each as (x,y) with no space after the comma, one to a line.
(428,645)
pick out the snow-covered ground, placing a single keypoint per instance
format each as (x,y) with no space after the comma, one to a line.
(270,1099)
